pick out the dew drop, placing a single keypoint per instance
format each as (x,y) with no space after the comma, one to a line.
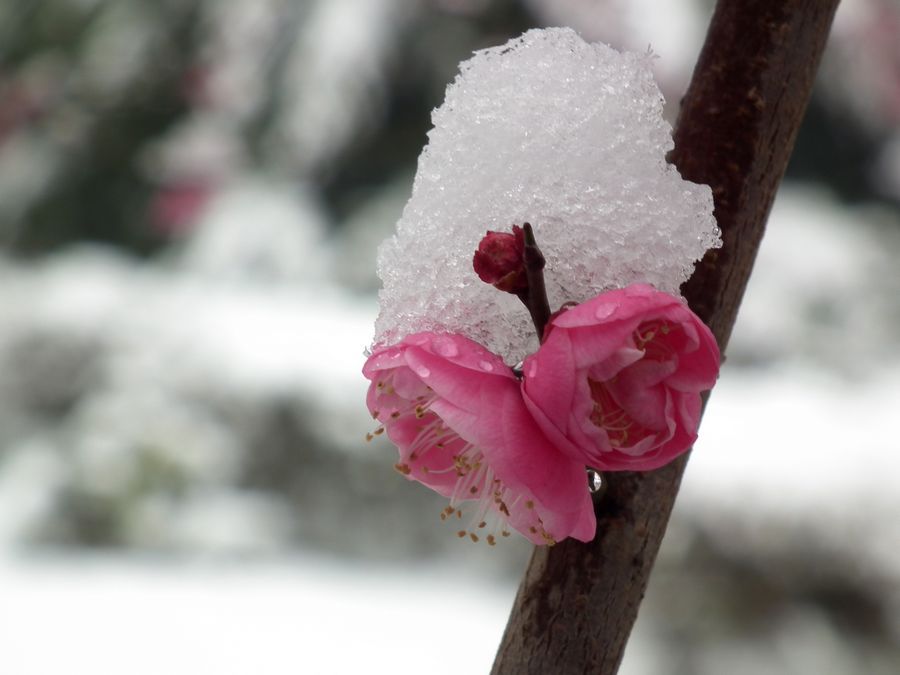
(532,369)
(604,311)
(446,348)
(595,481)
(422,371)
(486,365)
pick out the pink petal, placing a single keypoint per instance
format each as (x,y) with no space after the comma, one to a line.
(649,358)
(445,387)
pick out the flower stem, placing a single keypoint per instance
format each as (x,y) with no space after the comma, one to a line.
(536,298)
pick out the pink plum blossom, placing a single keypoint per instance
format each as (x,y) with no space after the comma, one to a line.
(617,382)
(456,413)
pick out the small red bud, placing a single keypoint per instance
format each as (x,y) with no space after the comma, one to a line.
(500,260)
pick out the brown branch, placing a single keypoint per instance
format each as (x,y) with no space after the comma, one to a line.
(577,603)
(536,296)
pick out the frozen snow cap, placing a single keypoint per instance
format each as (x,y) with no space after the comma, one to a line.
(568,136)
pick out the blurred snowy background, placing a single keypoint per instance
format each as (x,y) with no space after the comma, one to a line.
(191,193)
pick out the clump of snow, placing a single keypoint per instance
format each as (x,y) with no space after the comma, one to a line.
(568,136)
(277,245)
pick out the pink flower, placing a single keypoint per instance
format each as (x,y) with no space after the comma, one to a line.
(175,207)
(617,382)
(456,413)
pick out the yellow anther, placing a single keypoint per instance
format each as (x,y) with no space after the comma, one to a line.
(491,540)
(473,537)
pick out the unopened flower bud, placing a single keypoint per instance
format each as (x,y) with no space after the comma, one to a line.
(500,260)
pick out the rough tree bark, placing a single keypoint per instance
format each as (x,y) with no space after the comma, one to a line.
(577,602)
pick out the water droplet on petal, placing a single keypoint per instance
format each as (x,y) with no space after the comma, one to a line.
(532,369)
(604,311)
(422,371)
(446,347)
(486,365)
(595,480)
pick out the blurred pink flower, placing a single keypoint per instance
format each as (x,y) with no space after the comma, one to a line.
(617,381)
(176,206)
(456,413)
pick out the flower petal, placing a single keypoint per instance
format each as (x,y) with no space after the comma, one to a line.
(457,415)
(618,379)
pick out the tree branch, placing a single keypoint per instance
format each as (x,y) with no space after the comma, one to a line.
(577,602)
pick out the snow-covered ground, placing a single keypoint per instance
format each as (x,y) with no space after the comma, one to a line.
(302,615)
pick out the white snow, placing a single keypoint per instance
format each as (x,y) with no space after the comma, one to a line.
(563,134)
(334,78)
(305,615)
(172,325)
(284,241)
(801,453)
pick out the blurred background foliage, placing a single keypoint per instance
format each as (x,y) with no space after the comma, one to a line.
(99,91)
(191,194)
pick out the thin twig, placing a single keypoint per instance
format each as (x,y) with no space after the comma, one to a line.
(536,299)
